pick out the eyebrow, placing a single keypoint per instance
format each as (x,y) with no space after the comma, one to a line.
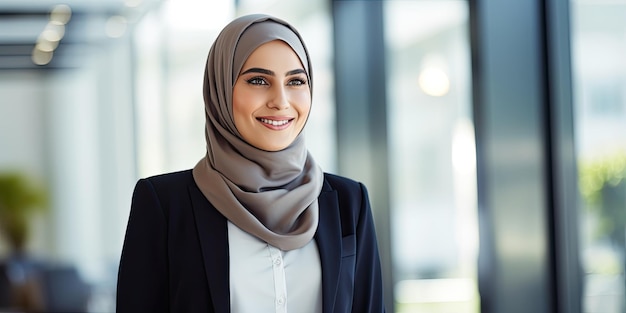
(271,73)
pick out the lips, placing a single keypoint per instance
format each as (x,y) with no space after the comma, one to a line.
(276,122)
(279,122)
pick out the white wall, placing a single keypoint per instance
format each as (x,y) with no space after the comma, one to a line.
(74,129)
(22,147)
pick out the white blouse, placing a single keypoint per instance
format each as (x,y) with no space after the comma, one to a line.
(264,278)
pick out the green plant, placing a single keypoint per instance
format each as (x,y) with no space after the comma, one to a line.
(603,187)
(20,198)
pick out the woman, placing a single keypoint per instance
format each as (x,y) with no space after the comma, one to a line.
(256,226)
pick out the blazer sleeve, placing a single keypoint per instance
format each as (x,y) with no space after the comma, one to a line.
(368,286)
(142,276)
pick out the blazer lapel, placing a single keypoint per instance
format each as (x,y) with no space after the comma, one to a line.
(213,235)
(328,238)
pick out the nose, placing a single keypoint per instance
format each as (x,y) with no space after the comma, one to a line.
(279,99)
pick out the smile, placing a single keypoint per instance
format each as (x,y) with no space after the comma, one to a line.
(274,122)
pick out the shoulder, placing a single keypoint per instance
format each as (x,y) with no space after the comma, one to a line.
(334,181)
(168,183)
(170,179)
(345,188)
(171,192)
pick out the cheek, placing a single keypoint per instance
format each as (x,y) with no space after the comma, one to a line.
(303,104)
(242,106)
(237,113)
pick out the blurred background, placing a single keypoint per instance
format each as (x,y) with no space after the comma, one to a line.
(492,138)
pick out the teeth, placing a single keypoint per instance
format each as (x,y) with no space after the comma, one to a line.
(275,123)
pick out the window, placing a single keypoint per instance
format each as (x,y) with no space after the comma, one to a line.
(599,77)
(432,157)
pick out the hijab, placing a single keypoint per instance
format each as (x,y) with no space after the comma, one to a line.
(269,194)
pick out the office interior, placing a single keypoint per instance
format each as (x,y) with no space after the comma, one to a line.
(491,136)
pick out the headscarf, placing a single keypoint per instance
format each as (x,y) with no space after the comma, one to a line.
(269,194)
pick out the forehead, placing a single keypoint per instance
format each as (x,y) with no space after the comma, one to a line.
(276,53)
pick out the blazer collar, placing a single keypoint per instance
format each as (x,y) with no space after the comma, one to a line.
(213,235)
(328,239)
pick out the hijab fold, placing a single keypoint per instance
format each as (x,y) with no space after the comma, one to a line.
(269,194)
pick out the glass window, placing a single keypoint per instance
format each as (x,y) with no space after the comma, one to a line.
(599,80)
(171,46)
(432,156)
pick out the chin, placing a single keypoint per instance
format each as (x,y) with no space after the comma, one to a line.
(275,149)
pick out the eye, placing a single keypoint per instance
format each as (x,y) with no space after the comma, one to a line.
(296,82)
(257,81)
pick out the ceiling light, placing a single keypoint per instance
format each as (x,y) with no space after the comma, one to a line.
(54,31)
(434,81)
(46,45)
(61,13)
(115,26)
(41,57)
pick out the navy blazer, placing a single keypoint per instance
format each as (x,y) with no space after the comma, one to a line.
(175,253)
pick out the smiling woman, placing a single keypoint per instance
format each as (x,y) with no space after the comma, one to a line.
(256,226)
(271,97)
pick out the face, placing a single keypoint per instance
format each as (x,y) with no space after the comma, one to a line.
(271,97)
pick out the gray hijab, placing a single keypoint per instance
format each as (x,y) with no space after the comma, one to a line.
(271,195)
